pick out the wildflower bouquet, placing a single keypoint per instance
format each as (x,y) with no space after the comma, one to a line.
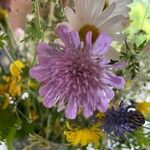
(73,73)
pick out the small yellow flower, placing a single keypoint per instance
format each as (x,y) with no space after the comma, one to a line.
(83,136)
(15,69)
(13,82)
(3,13)
(144,108)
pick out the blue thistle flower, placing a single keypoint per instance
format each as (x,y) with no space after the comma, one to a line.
(124,119)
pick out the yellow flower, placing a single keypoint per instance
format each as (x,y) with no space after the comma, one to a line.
(13,82)
(15,69)
(144,108)
(3,13)
(83,136)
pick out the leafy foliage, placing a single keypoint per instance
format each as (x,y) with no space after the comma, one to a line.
(33,32)
(131,56)
(3,38)
(8,126)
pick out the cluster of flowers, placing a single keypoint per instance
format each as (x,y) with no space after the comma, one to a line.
(77,73)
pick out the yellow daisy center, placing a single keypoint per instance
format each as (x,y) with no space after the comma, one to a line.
(85,29)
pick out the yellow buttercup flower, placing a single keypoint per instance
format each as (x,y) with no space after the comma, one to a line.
(15,68)
(144,108)
(15,85)
(83,136)
(13,82)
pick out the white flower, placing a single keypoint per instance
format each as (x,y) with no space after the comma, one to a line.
(19,36)
(98,16)
(25,96)
(30,17)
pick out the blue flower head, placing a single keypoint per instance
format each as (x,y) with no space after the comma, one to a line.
(124,119)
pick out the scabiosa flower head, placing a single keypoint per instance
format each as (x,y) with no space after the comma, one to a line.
(124,119)
(75,76)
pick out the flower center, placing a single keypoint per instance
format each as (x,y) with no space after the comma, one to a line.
(81,71)
(85,29)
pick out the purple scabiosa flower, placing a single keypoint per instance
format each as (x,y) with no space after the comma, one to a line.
(124,119)
(75,76)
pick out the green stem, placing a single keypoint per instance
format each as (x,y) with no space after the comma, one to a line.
(18,110)
(48,127)
(34,58)
(7,29)
(11,58)
(37,11)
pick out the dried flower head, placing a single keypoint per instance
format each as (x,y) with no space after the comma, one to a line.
(124,119)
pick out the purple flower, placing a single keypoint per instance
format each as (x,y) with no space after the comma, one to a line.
(75,76)
(124,119)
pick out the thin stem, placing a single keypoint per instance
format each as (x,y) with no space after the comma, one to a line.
(11,58)
(39,26)
(34,58)
(7,29)
(29,121)
(48,127)
(11,35)
(37,13)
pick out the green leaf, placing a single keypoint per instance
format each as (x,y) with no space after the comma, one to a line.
(25,72)
(8,123)
(3,38)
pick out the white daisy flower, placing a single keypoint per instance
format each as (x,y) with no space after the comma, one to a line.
(98,16)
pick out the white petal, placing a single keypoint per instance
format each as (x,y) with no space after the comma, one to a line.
(95,9)
(71,16)
(105,14)
(112,21)
(121,7)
